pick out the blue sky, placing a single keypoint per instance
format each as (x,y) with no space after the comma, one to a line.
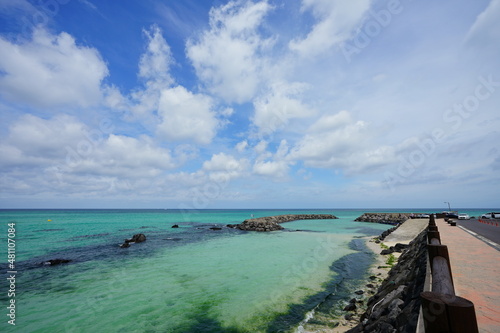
(249,104)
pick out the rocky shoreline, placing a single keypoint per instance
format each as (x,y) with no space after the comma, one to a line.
(272,223)
(396,305)
(388,300)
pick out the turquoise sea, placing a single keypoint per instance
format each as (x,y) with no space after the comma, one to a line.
(186,279)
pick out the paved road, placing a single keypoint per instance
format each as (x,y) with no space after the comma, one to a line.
(475,268)
(491,232)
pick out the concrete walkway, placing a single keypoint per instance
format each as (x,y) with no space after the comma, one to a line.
(476,273)
(406,232)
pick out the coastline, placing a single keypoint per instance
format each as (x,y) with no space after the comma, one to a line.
(377,274)
(380,270)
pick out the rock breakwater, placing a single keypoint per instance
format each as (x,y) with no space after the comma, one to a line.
(395,307)
(384,218)
(272,223)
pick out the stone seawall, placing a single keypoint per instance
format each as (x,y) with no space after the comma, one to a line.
(272,223)
(385,218)
(396,305)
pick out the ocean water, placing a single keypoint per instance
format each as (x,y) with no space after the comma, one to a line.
(186,279)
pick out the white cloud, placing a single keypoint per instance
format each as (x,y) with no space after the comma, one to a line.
(338,142)
(275,165)
(226,57)
(154,69)
(336,22)
(186,116)
(114,99)
(51,70)
(485,31)
(260,147)
(33,141)
(274,110)
(241,146)
(274,169)
(132,156)
(63,154)
(155,63)
(331,122)
(223,167)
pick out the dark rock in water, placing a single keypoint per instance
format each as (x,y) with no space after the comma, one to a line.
(137,238)
(369,285)
(231,225)
(175,226)
(215,228)
(53,262)
(350,307)
(359,292)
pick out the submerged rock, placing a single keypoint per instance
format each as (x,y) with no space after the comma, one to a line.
(53,262)
(137,238)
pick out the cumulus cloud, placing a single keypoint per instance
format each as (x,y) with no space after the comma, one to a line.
(241,146)
(336,21)
(155,63)
(331,122)
(223,167)
(33,141)
(226,57)
(274,110)
(186,116)
(275,165)
(154,70)
(273,169)
(337,141)
(61,152)
(121,155)
(51,70)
